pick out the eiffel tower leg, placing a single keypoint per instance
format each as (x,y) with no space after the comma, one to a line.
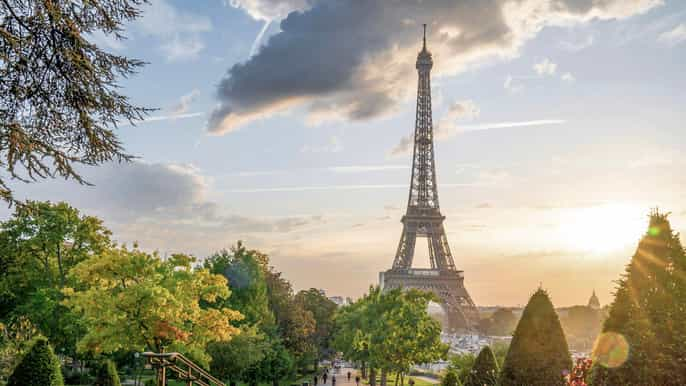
(405,253)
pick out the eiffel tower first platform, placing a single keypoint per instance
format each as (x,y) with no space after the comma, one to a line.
(423,218)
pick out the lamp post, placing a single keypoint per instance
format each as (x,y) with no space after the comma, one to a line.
(136,369)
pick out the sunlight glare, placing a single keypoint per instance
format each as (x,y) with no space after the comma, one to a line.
(603,228)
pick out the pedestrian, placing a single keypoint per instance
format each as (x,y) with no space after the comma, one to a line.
(324,377)
(348,376)
(333,380)
(357,380)
(315,380)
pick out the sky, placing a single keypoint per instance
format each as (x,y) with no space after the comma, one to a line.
(284,123)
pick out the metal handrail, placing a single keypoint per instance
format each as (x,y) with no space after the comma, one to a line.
(173,359)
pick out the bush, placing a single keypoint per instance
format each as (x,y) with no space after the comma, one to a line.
(485,369)
(538,354)
(451,379)
(107,374)
(39,367)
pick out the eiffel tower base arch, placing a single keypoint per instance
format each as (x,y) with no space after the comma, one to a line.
(461,313)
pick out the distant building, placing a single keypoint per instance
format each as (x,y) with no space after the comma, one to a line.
(593,302)
(340,300)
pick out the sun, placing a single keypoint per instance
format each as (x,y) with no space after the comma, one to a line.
(603,228)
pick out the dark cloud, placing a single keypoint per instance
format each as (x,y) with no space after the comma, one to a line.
(355,59)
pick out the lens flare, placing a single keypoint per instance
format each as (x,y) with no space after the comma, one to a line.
(610,350)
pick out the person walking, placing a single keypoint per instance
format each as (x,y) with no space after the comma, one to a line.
(324,377)
(348,376)
(333,380)
(357,380)
(315,380)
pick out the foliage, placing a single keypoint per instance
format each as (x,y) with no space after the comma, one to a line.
(59,95)
(277,364)
(244,271)
(484,372)
(451,379)
(39,245)
(390,330)
(15,340)
(132,300)
(538,354)
(294,324)
(462,364)
(647,315)
(232,359)
(323,310)
(39,367)
(107,374)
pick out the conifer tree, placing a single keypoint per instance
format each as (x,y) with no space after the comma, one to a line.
(485,369)
(107,374)
(451,379)
(39,367)
(646,319)
(538,354)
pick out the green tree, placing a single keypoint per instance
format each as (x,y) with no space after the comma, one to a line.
(323,311)
(643,337)
(39,245)
(294,324)
(484,372)
(107,374)
(391,330)
(462,364)
(39,367)
(501,323)
(538,354)
(132,300)
(232,360)
(245,273)
(15,340)
(451,379)
(59,96)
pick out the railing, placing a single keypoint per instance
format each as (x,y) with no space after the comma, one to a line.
(182,366)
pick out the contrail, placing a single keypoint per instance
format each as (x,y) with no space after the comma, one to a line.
(258,39)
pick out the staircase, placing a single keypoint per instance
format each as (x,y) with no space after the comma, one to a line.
(183,367)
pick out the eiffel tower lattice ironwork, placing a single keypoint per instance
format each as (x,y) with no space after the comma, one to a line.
(423,218)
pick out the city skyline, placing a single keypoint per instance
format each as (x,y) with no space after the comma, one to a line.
(557,129)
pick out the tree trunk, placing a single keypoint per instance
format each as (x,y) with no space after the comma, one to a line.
(384,375)
(364,370)
(397,378)
(372,377)
(402,379)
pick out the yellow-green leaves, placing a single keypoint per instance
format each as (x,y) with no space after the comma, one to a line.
(134,300)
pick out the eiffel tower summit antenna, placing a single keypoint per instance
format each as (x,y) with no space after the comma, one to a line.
(423,219)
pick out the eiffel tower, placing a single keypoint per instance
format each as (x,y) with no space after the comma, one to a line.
(423,218)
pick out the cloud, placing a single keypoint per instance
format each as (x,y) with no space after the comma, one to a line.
(545,67)
(445,127)
(577,45)
(568,77)
(674,36)
(184,102)
(513,84)
(406,143)
(180,31)
(335,145)
(355,59)
(269,10)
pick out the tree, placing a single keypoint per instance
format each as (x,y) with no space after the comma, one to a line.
(245,274)
(484,372)
(39,245)
(132,300)
(294,324)
(107,374)
(232,360)
(323,310)
(390,330)
(277,365)
(502,322)
(582,324)
(462,364)
(643,337)
(39,367)
(538,354)
(15,340)
(59,97)
(451,379)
